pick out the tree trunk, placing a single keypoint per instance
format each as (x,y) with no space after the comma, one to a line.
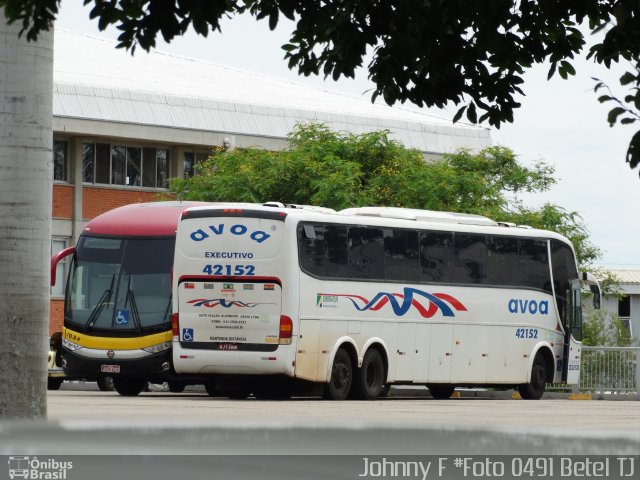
(26,93)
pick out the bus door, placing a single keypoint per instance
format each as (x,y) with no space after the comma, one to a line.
(573,333)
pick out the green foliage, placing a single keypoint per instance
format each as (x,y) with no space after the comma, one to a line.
(342,170)
(606,370)
(625,111)
(598,330)
(567,223)
(609,282)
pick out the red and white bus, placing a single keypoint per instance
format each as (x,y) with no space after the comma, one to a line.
(268,300)
(117,309)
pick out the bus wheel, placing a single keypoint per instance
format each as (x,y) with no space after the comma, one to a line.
(339,384)
(105,384)
(129,387)
(176,387)
(368,381)
(386,390)
(441,392)
(54,383)
(535,388)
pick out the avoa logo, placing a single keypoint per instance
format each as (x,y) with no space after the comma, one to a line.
(533,307)
(238,230)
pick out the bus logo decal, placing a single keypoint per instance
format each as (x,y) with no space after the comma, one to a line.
(517,305)
(437,302)
(223,302)
(258,236)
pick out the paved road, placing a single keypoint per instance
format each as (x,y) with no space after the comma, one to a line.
(154,432)
(560,414)
(195,423)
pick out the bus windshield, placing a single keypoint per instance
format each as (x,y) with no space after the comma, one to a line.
(120,284)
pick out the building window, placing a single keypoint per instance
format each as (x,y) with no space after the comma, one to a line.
(57,245)
(124,165)
(60,160)
(624,307)
(191,161)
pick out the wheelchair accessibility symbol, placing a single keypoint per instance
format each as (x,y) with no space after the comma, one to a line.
(187,334)
(122,317)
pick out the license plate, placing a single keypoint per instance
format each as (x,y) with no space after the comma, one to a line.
(110,368)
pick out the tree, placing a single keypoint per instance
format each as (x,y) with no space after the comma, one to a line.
(466,52)
(26,69)
(341,170)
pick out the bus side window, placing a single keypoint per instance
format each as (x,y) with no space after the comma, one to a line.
(471,258)
(336,260)
(401,260)
(311,248)
(502,260)
(436,257)
(534,264)
(366,253)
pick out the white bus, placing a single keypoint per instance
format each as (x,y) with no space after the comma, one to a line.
(273,301)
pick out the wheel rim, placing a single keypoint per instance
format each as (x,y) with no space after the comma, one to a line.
(341,374)
(372,376)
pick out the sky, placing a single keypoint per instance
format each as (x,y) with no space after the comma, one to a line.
(560,122)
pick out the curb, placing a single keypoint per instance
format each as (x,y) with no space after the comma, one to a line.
(423,392)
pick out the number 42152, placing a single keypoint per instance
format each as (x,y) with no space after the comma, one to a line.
(527,333)
(238,270)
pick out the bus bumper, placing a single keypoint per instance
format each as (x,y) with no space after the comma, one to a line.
(153,367)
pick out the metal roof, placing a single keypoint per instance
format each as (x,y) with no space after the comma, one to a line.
(94,80)
(625,276)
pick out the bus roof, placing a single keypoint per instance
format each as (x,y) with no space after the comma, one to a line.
(420,215)
(397,217)
(140,219)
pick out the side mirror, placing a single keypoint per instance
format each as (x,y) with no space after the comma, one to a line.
(56,259)
(589,279)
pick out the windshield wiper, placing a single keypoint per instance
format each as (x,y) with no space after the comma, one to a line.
(130,298)
(97,310)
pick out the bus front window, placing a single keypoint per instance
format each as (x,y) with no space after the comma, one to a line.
(120,284)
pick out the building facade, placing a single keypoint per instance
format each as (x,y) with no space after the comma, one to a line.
(123,125)
(627,304)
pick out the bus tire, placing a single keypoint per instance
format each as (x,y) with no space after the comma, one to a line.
(54,383)
(535,388)
(129,387)
(105,384)
(386,390)
(441,392)
(176,387)
(341,379)
(368,381)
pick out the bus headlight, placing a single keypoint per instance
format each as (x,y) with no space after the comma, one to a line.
(69,345)
(160,347)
